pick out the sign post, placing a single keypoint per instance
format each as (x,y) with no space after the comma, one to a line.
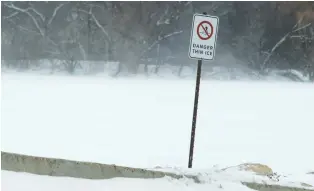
(202,47)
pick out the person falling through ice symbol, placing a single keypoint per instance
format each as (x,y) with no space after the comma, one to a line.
(204,30)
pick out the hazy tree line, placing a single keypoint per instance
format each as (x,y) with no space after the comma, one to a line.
(260,35)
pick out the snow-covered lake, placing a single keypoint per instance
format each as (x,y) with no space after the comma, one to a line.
(147,123)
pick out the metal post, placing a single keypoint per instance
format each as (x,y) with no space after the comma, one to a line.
(197,89)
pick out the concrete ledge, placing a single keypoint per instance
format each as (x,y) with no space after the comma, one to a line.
(265,187)
(87,170)
(61,167)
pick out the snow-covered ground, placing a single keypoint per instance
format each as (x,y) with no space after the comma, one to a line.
(211,180)
(40,183)
(147,123)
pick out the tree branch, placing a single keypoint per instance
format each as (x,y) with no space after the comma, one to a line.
(55,12)
(12,15)
(91,4)
(171,34)
(280,42)
(96,21)
(38,13)
(160,39)
(305,26)
(274,48)
(12,6)
(83,11)
(98,24)
(28,30)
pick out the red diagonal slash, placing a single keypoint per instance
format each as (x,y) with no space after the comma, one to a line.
(205,30)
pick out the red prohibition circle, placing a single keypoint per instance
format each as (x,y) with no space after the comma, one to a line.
(208,35)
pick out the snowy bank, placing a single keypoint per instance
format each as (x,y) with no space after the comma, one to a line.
(89,170)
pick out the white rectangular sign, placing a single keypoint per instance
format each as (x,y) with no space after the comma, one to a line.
(203,37)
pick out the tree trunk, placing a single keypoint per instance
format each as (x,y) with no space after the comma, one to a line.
(157,59)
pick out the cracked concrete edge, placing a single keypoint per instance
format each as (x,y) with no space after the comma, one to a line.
(89,170)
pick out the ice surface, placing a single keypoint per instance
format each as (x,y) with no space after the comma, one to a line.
(147,123)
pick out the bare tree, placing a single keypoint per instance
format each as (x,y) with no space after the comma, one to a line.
(41,23)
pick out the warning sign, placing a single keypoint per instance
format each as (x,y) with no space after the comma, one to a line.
(203,37)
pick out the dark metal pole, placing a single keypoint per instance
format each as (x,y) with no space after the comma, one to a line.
(197,89)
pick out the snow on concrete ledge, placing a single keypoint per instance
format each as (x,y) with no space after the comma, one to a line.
(87,170)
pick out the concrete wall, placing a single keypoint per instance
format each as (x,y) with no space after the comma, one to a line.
(60,167)
(87,170)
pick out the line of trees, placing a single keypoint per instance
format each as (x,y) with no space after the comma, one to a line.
(261,35)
